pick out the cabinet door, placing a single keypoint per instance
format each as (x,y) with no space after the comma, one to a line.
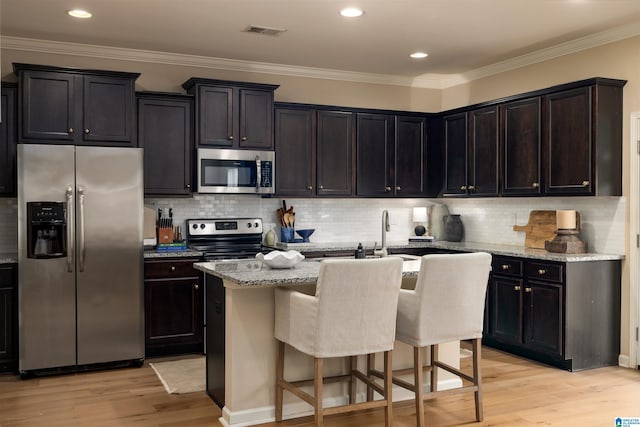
(334,135)
(295,152)
(8,142)
(48,106)
(522,148)
(216,117)
(8,318)
(569,143)
(455,146)
(173,316)
(165,131)
(410,165)
(483,172)
(256,119)
(505,309)
(108,111)
(543,317)
(375,151)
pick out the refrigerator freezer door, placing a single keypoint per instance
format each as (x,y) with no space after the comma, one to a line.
(47,332)
(109,224)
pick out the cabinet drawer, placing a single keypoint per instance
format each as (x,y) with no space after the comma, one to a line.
(6,275)
(544,271)
(506,266)
(172,268)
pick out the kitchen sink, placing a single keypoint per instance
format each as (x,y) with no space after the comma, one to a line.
(404,257)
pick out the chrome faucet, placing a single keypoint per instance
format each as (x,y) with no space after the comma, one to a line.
(382,252)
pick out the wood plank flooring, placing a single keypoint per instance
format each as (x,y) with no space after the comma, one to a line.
(517,392)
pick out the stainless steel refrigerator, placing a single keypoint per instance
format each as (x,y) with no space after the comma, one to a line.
(80,250)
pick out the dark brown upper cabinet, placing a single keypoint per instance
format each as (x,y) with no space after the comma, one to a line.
(583,140)
(232,114)
(165,131)
(410,156)
(313,152)
(522,147)
(8,141)
(69,106)
(375,156)
(471,153)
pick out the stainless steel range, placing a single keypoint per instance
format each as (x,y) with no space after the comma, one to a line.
(228,238)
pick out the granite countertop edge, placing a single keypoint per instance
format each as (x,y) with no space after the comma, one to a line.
(153,254)
(492,248)
(8,258)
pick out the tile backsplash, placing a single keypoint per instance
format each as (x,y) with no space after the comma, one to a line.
(488,220)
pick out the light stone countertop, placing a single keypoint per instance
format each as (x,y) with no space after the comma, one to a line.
(152,254)
(494,249)
(8,258)
(250,273)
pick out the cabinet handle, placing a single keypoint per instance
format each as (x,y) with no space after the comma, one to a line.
(230,137)
(387,189)
(398,188)
(244,138)
(196,286)
(463,187)
(86,131)
(322,187)
(70,130)
(506,266)
(516,288)
(188,186)
(535,185)
(585,183)
(542,272)
(527,290)
(472,187)
(311,187)
(173,268)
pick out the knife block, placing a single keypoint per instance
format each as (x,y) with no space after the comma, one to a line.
(165,235)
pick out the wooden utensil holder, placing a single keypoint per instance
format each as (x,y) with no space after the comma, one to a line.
(165,235)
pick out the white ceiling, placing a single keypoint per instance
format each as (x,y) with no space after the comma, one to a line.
(459,35)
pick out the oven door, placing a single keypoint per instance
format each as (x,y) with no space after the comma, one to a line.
(235,171)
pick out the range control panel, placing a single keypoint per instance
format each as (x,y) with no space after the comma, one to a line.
(213,227)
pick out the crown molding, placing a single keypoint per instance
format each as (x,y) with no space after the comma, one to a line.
(573,46)
(116,53)
(427,81)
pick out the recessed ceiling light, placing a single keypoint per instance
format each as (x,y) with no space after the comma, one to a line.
(79,13)
(351,12)
(418,55)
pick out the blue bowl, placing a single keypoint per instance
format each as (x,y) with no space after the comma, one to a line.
(305,233)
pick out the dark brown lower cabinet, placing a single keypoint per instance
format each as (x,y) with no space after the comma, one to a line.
(562,314)
(174,307)
(8,318)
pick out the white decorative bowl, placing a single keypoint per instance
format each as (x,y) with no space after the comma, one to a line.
(280,259)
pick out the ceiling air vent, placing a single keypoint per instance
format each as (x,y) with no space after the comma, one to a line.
(267,31)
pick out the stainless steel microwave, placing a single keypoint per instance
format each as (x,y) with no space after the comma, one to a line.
(236,171)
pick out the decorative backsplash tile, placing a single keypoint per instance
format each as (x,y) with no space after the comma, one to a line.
(488,220)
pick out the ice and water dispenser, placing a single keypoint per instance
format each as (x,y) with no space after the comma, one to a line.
(46,230)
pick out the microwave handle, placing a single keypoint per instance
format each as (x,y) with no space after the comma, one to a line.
(258,174)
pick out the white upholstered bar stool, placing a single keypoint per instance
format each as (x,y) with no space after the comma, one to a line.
(353,312)
(446,305)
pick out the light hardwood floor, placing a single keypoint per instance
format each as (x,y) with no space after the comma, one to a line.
(517,392)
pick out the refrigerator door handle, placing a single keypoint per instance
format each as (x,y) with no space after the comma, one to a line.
(81,229)
(70,210)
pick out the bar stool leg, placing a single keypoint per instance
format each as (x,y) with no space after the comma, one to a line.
(388,385)
(317,388)
(352,381)
(477,378)
(279,378)
(434,369)
(371,364)
(418,374)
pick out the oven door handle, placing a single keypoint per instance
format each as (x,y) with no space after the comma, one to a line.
(258,174)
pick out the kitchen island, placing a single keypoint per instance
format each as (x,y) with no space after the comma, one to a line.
(240,302)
